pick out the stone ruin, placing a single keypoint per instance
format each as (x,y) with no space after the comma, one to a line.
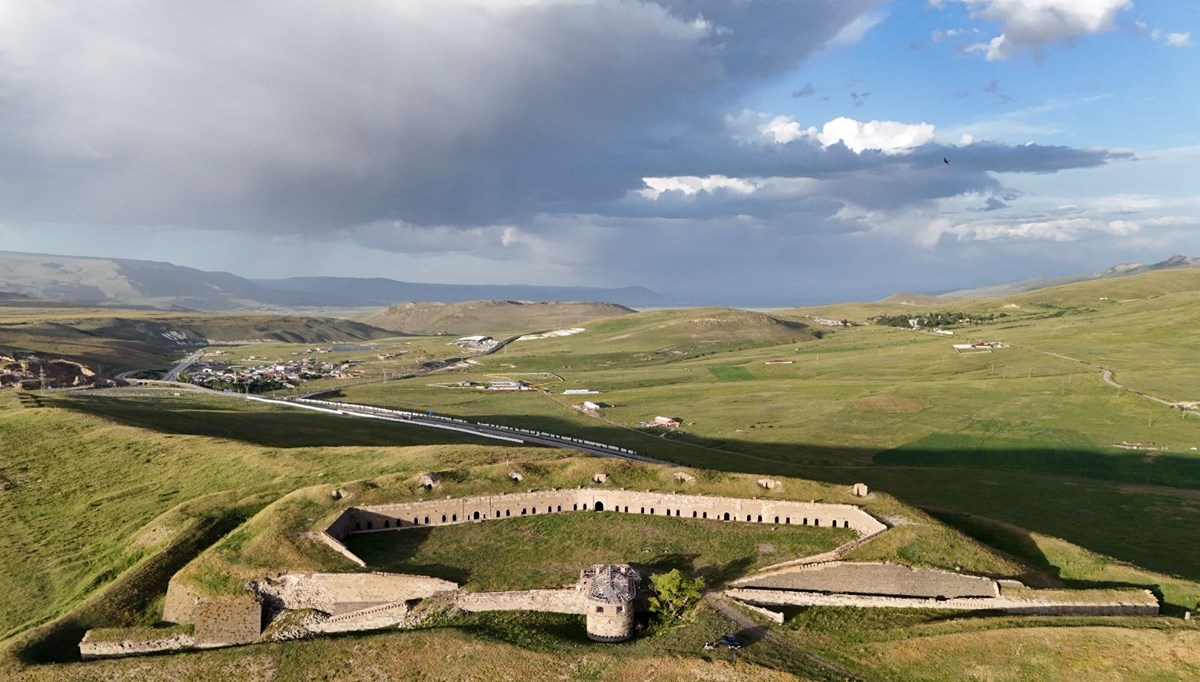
(228,621)
(683,477)
(860,490)
(769,483)
(516,476)
(599,478)
(428,480)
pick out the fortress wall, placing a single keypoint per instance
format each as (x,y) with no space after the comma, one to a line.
(449,511)
(89,649)
(379,587)
(746,510)
(180,602)
(873,578)
(460,510)
(231,620)
(338,547)
(374,618)
(554,601)
(340,528)
(1138,603)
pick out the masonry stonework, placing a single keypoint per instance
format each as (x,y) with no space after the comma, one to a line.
(448,511)
(232,620)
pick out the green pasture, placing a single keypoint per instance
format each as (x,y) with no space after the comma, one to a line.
(1014,448)
(82,492)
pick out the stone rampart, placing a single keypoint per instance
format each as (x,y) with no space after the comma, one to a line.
(372,618)
(180,603)
(448,511)
(773,616)
(1130,603)
(226,621)
(328,539)
(873,578)
(553,601)
(91,648)
(332,592)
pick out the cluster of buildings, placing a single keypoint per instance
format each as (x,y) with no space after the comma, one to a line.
(662,422)
(476,343)
(270,375)
(979,346)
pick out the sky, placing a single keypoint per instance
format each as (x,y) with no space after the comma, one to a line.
(768,151)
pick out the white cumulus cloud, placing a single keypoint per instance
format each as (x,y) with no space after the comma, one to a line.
(1179,39)
(1031,24)
(692,185)
(889,137)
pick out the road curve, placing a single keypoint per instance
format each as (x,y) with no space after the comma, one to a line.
(174,372)
(492,431)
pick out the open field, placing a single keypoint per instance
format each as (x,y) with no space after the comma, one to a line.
(902,411)
(1014,448)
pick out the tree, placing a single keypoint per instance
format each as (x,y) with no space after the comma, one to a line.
(675,594)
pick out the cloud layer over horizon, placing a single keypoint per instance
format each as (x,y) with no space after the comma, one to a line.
(556,132)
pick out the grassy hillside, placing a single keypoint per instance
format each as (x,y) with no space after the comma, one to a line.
(1014,448)
(110,341)
(85,496)
(657,337)
(899,409)
(493,318)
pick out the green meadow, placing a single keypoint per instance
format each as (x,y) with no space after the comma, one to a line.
(1004,463)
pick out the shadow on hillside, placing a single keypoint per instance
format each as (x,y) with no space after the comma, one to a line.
(1020,544)
(277,428)
(714,576)
(123,601)
(394,551)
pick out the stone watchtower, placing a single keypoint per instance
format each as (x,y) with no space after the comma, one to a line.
(609,591)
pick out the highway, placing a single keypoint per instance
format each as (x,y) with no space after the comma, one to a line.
(491,431)
(173,374)
(424,419)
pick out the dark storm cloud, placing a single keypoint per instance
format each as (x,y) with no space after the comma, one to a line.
(324,114)
(502,129)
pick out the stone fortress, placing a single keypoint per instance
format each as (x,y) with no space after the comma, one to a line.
(295,605)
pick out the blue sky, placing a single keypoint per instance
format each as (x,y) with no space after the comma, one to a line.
(761,151)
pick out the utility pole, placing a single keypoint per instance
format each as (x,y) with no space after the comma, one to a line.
(42,376)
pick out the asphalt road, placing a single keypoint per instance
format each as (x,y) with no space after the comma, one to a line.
(173,374)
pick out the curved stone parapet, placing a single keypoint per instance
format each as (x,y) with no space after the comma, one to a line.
(449,511)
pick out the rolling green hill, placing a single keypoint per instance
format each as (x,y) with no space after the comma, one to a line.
(1016,448)
(109,343)
(493,318)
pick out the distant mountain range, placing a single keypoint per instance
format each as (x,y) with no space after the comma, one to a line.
(125,282)
(39,279)
(382,291)
(1043,282)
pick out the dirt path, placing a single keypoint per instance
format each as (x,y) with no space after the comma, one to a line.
(761,633)
(1107,375)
